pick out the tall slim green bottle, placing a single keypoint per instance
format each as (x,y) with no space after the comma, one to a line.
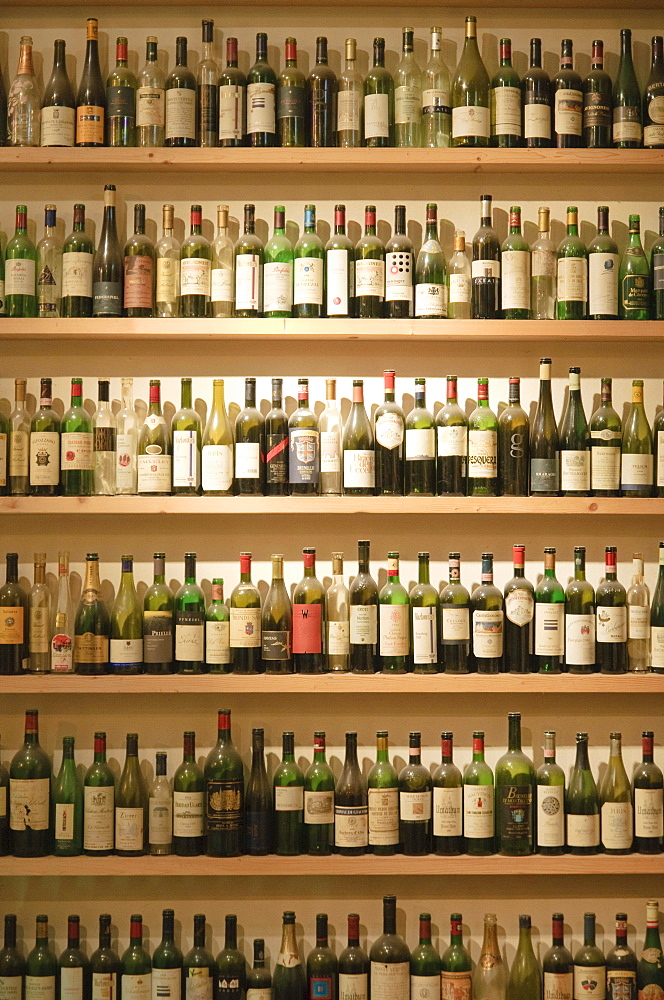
(67,798)
(650,970)
(582,804)
(634,287)
(319,787)
(383,792)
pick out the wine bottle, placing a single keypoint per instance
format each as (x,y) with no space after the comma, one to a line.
(5,833)
(369,269)
(289,981)
(518,625)
(160,809)
(58,109)
(627,121)
(261,92)
(389,427)
(104,962)
(549,655)
(19,442)
(14,647)
(407,96)
(126,625)
(91,97)
(121,100)
(605,445)
(558,964)
(635,291)
(486,604)
(67,798)
(154,449)
(515,257)
(158,626)
(536,100)
(638,619)
(222,275)
(20,269)
(358,447)
(136,968)
(647,793)
(459,280)
(597,102)
(447,802)
(330,433)
(339,268)
(543,263)
(180,110)
(195,270)
(653,134)
(30,794)
(424,613)
(309,270)
(580,619)
(198,964)
(415,802)
(544,441)
(258,801)
(288,802)
(207,92)
(515,784)
(513,445)
(420,464)
(390,958)
(363,596)
(276,440)
(217,447)
(131,805)
(104,429)
(62,625)
(259,980)
(525,979)
(649,970)
(383,801)
(277,624)
(278,269)
(436,97)
(303,445)
(550,820)
(490,976)
(224,794)
(249,444)
(394,615)
(186,434)
(167,283)
(454,621)
(456,966)
(572,272)
(77,443)
(482,445)
(452,434)
(167,962)
(232,99)
(150,99)
(378,101)
(399,267)
(431,272)
(337,619)
(291,100)
(471,125)
(478,802)
(505,101)
(245,622)
(49,268)
(617,814)
(485,280)
(657,284)
(603,263)
(108,263)
(39,619)
(99,803)
(621,965)
(12,963)
(425,964)
(321,100)
(656,619)
(567,92)
(319,785)
(350,100)
(308,623)
(353,964)
(41,965)
(611,649)
(582,804)
(636,475)
(189,620)
(217,631)
(351,811)
(139,270)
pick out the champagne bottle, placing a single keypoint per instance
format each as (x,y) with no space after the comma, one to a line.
(456,965)
(389,434)
(167,960)
(224,794)
(198,964)
(41,965)
(195,270)
(363,596)
(543,258)
(515,783)
(160,809)
(452,444)
(245,622)
(478,802)
(337,619)
(12,963)
(139,270)
(603,261)
(490,976)
(636,470)
(131,805)
(627,121)
(121,99)
(259,980)
(67,796)
(485,271)
(536,101)
(567,91)
(390,958)
(288,801)
(459,279)
(597,102)
(104,962)
(605,446)
(49,268)
(207,97)
(558,964)
(638,619)
(486,604)
(278,270)
(291,100)
(322,966)
(544,441)
(91,98)
(378,101)
(549,619)
(447,802)
(550,821)
(425,964)
(611,650)
(383,800)
(319,786)
(353,964)
(351,831)
(309,270)
(393,621)
(99,803)
(58,110)
(415,802)
(525,979)
(20,269)
(358,447)
(399,267)
(424,613)
(582,804)
(519,626)
(14,621)
(150,99)
(572,272)
(650,971)
(127,625)
(470,94)
(420,465)
(189,803)
(431,272)
(350,105)
(303,445)
(617,814)
(233,99)
(277,624)
(30,794)
(108,263)
(258,800)
(136,967)
(635,294)
(505,101)
(621,965)
(217,631)
(180,110)
(647,794)
(261,92)
(289,981)
(580,619)
(92,627)
(321,100)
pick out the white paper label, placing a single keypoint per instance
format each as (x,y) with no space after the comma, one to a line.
(453,440)
(352,986)
(447,812)
(638,622)
(318,807)
(359,469)
(188,818)
(104,985)
(231,111)
(549,629)
(348,111)
(543,263)
(394,630)
(582,831)
(507,111)
(129,828)
(617,825)
(580,640)
(430,300)
(190,641)
(605,468)
(76,451)
(351,826)
(77,274)
(71,984)
(180,114)
(477,811)
(19,276)
(330,446)
(635,470)
(136,987)
(424,987)
(154,473)
(516,277)
(551,815)
(258,994)
(407,103)
(482,454)
(245,628)
(98,817)
(472,120)
(149,106)
(337,266)
(39,988)
(383,816)
(425,635)
(166,984)
(603,284)
(64,821)
(520,606)
(363,624)
(57,126)
(648,813)
(217,467)
(660,458)
(572,285)
(390,981)
(612,624)
(568,112)
(389,430)
(537,121)
(288,798)
(487,634)
(247,281)
(29,802)
(399,276)
(589,980)
(260,107)
(217,642)
(460,289)
(370,277)
(186,467)
(338,638)
(11,987)
(247,459)
(456,624)
(420,443)
(376,116)
(222,279)
(657,646)
(277,286)
(308,281)
(195,276)
(44,458)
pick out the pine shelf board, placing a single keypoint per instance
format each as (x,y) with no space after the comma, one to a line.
(334,505)
(329,684)
(305,331)
(264,867)
(479,4)
(337,161)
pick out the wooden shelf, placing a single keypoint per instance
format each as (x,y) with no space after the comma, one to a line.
(478,5)
(98,162)
(328,684)
(339,331)
(600,864)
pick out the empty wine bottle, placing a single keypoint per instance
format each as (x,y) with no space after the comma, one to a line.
(307,608)
(12,963)
(351,810)
(67,797)
(525,980)
(363,596)
(224,791)
(258,800)
(582,804)
(611,645)
(383,801)
(647,791)
(621,965)
(415,802)
(353,964)
(189,803)
(288,792)
(455,621)
(259,980)
(558,964)
(30,794)
(389,433)
(515,786)
(41,965)
(231,966)
(322,963)
(167,960)
(615,795)
(519,626)
(104,962)
(136,968)
(390,958)
(486,605)
(425,965)
(478,801)
(319,785)
(550,820)
(447,802)
(456,966)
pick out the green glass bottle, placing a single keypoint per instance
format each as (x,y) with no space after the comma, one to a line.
(378,101)
(513,445)
(383,791)
(136,967)
(544,441)
(309,270)
(424,614)
(190,615)
(189,803)
(288,802)
(471,119)
(158,628)
(603,261)
(250,445)
(351,805)
(104,962)
(67,796)
(657,619)
(199,964)
(120,122)
(186,434)
(30,794)
(572,272)
(369,270)
(217,631)
(224,794)
(245,622)
(44,445)
(558,964)
(131,805)
(291,100)
(126,625)
(258,801)
(99,803)
(615,795)
(478,802)
(308,619)
(196,269)
(647,785)
(231,966)
(321,100)
(390,958)
(582,804)
(519,624)
(611,605)
(363,624)
(605,445)
(487,607)
(550,820)
(454,621)
(278,266)
(447,802)
(515,792)
(650,970)
(340,264)
(505,101)
(482,446)
(515,263)
(525,979)
(41,965)
(12,963)
(92,627)
(627,120)
(549,655)
(76,447)
(353,964)
(420,478)
(635,295)
(139,270)
(5,838)
(415,801)
(289,981)
(20,270)
(393,625)
(452,444)
(261,94)
(657,270)
(597,101)
(167,960)
(180,110)
(431,290)
(277,623)
(322,965)
(357,443)
(425,964)
(580,619)
(259,980)
(456,966)
(303,445)
(319,788)
(636,467)
(78,253)
(249,256)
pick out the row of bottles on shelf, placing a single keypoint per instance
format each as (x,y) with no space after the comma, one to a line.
(390,969)
(393,454)
(545,629)
(410,108)
(210,810)
(311,279)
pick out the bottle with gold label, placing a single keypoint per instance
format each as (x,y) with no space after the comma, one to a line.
(91,99)
(92,626)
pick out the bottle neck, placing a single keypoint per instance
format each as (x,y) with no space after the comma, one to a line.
(514,738)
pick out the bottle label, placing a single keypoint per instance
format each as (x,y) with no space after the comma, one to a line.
(520,606)
(257,994)
(351,826)
(150,107)
(597,110)
(648,814)
(456,986)
(543,263)
(407,105)
(420,443)
(364,625)
(337,266)
(482,454)
(290,102)
(580,640)
(657,263)
(29,803)
(120,102)
(222,284)
(64,821)
(635,292)
(653,135)
(104,439)
(98,817)
(544,475)
(188,814)
(338,638)
(425,635)
(448,812)
(383,816)
(627,124)
(19,453)
(195,276)
(330,446)
(11,626)
(376,116)
(304,455)
(506,111)
(516,277)
(260,108)
(415,806)
(390,981)
(617,825)
(189,637)
(370,277)
(659,445)
(186,465)
(612,624)
(515,816)
(289,798)
(352,986)
(307,628)
(57,126)
(568,111)
(129,828)
(582,831)
(160,821)
(247,459)
(320,987)
(61,654)
(436,101)
(430,300)
(603,284)
(19,276)
(359,469)
(308,281)
(318,807)
(217,467)
(456,624)
(487,634)
(572,282)
(247,282)
(638,622)
(348,111)
(245,628)
(390,431)
(558,985)
(167,280)
(470,121)
(39,629)
(157,636)
(605,465)
(11,987)
(537,121)
(89,125)
(124,652)
(104,985)
(3,446)
(76,451)
(550,815)
(136,987)
(217,642)
(656,645)
(477,811)
(549,629)
(276,645)
(425,987)
(399,276)
(166,984)
(460,289)
(394,637)
(231,111)
(621,984)
(180,113)
(224,802)
(107,298)
(278,286)
(39,987)
(138,282)
(90,648)
(635,471)
(453,440)
(276,459)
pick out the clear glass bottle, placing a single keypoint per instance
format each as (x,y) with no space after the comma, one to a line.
(104,429)
(407,96)
(126,443)
(207,105)
(436,109)
(39,619)
(330,429)
(150,100)
(24,101)
(543,270)
(337,618)
(223,275)
(167,253)
(490,975)
(49,267)
(458,276)
(62,625)
(638,619)
(19,442)
(350,104)
(160,810)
